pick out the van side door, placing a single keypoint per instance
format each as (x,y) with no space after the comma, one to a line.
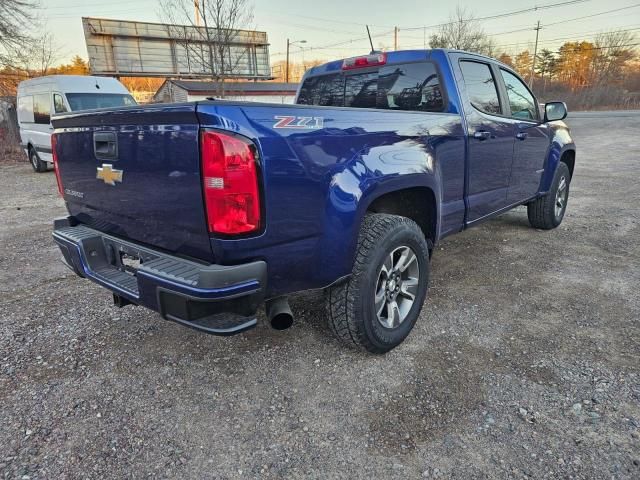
(489,136)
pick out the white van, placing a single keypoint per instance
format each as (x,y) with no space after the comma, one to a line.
(41,97)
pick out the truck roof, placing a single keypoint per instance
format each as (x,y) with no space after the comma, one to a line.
(396,56)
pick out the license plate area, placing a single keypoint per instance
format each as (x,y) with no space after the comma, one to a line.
(124,257)
(130,263)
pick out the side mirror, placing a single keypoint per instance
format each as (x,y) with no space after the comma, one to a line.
(554,111)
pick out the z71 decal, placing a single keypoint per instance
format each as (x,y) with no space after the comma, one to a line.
(285,121)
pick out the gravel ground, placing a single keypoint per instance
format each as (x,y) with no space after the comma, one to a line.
(525,362)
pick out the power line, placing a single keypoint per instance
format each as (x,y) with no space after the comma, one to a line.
(594,15)
(603,48)
(338,44)
(577,36)
(82,5)
(333,21)
(498,15)
(506,14)
(526,29)
(489,17)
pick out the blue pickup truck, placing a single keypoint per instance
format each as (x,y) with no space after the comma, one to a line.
(205,211)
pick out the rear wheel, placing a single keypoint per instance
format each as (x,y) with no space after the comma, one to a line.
(380,303)
(547,212)
(37,164)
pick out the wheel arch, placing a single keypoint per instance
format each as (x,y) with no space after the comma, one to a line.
(562,149)
(338,242)
(417,203)
(569,158)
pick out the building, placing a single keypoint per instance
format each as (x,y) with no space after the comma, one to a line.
(188,90)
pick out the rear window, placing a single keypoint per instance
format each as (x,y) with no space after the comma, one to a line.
(327,90)
(412,86)
(415,86)
(361,90)
(88,101)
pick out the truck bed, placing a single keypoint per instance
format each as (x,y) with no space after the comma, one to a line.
(318,165)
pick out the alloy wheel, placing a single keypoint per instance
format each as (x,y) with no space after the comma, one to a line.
(396,286)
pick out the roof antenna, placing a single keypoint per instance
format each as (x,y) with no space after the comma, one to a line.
(373,50)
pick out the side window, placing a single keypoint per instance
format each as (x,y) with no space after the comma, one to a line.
(58,104)
(42,108)
(361,90)
(521,101)
(414,86)
(325,90)
(481,87)
(25,109)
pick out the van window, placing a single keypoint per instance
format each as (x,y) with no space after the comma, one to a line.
(42,108)
(25,109)
(481,87)
(58,103)
(412,86)
(89,101)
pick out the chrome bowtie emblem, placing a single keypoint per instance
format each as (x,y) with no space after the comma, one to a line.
(109,175)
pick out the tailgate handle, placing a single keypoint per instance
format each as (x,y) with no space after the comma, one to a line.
(105,145)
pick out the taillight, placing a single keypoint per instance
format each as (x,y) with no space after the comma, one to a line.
(230,183)
(56,168)
(365,61)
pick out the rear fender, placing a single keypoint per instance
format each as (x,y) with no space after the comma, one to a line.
(355,187)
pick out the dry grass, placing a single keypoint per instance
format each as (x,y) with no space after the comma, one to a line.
(10,151)
(11,154)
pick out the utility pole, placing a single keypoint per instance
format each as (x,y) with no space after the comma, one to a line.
(287,61)
(535,54)
(395,38)
(286,75)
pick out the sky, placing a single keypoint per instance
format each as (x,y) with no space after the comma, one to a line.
(336,28)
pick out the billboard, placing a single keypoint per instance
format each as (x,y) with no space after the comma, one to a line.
(141,49)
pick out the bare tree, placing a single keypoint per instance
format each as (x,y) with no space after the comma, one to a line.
(15,18)
(37,58)
(612,52)
(462,32)
(207,29)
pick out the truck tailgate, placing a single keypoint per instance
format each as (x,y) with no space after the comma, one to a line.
(135,173)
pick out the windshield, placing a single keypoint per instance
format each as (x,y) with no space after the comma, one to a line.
(88,101)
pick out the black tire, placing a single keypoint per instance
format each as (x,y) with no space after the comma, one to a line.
(542,212)
(350,305)
(37,164)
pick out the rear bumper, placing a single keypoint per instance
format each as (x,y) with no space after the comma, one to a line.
(216,299)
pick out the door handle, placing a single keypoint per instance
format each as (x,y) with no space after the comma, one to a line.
(522,135)
(105,145)
(482,135)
